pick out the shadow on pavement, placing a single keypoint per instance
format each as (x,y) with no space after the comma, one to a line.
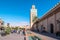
(48,34)
(24,38)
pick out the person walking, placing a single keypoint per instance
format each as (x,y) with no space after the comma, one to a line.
(24,32)
(18,31)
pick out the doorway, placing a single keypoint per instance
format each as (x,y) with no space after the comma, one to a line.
(51,28)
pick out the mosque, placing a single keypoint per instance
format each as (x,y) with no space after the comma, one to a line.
(50,22)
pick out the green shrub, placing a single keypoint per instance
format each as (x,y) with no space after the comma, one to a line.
(8,30)
(34,38)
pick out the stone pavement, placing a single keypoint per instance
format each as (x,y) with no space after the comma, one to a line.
(43,37)
(20,36)
(13,36)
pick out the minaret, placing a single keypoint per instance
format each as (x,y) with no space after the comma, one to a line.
(33,13)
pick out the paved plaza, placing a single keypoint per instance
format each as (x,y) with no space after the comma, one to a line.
(13,36)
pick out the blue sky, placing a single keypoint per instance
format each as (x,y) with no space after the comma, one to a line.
(17,12)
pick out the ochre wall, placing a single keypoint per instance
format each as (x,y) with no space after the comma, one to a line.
(57,18)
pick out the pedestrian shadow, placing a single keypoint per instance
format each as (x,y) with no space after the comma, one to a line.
(24,38)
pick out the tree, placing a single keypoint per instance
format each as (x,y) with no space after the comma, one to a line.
(35,18)
(16,28)
(8,30)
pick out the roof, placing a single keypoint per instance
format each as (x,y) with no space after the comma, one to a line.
(53,9)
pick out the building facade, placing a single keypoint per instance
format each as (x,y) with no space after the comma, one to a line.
(33,14)
(1,23)
(50,22)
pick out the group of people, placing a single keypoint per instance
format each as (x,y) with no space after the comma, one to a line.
(19,31)
(3,32)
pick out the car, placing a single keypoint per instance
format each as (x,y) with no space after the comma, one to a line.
(13,31)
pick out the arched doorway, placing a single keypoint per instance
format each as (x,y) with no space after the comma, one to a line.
(37,28)
(51,28)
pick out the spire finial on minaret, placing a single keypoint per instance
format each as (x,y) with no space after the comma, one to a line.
(33,6)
